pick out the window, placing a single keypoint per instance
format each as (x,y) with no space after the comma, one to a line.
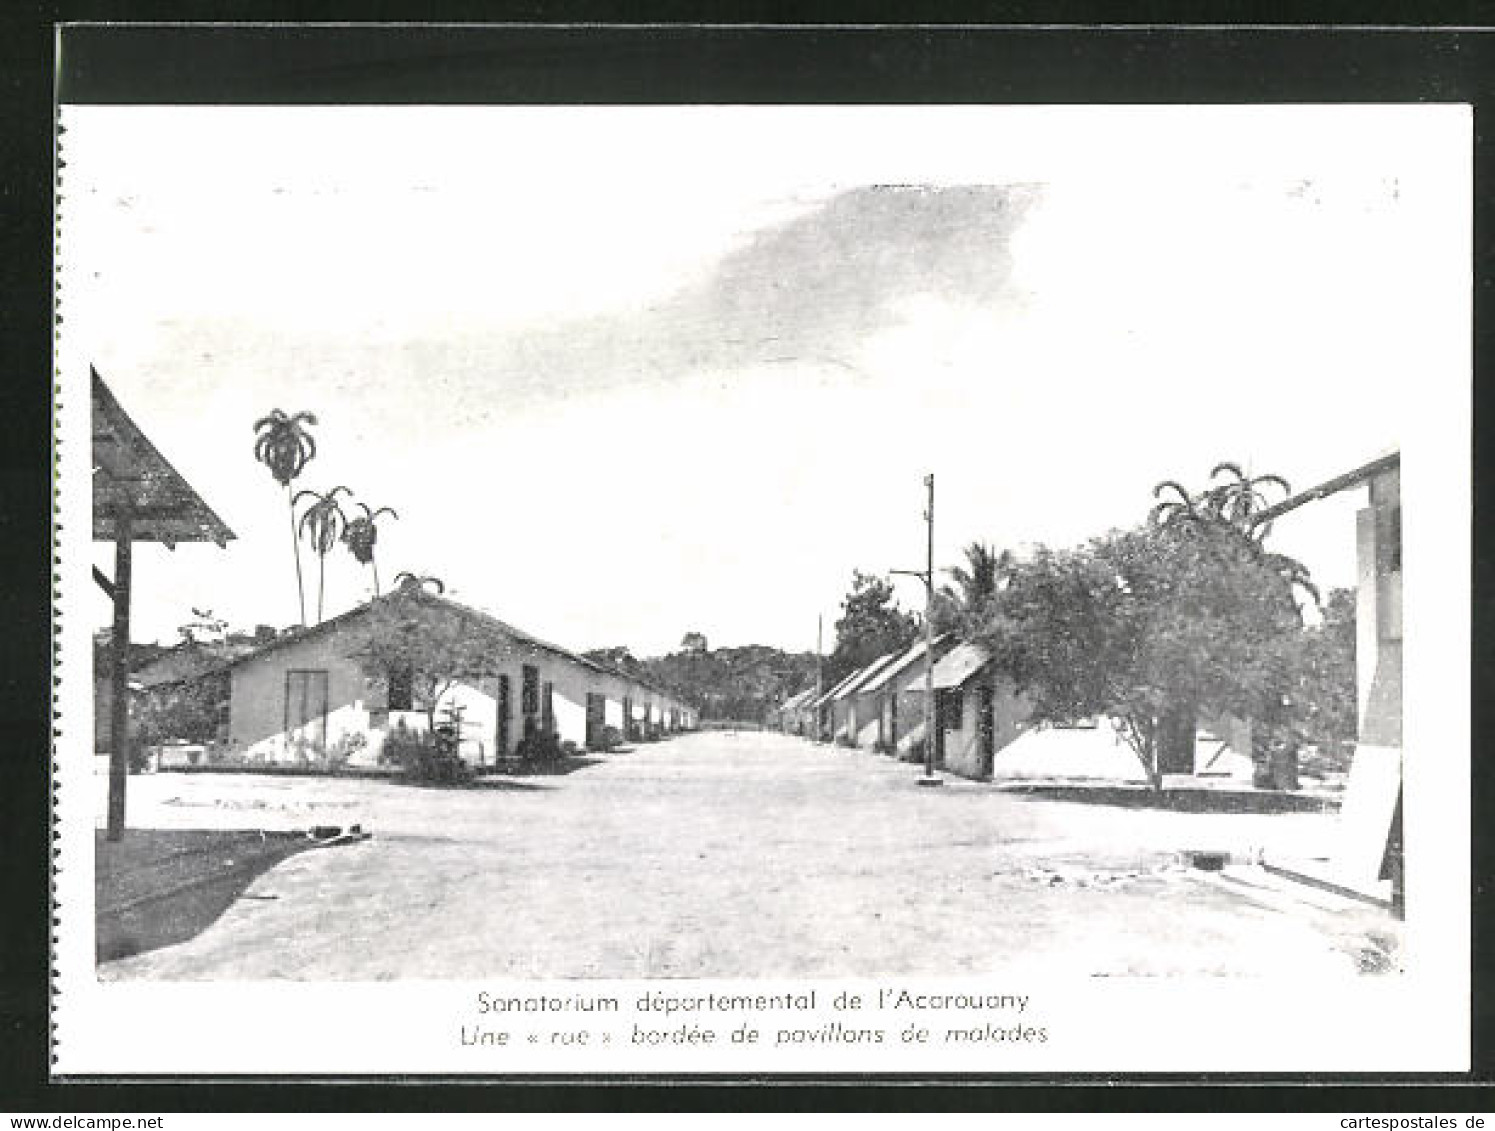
(529,691)
(400,694)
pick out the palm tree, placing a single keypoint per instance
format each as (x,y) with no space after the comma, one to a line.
(1235,503)
(984,575)
(360,535)
(285,447)
(322,523)
(406,582)
(1240,500)
(1232,506)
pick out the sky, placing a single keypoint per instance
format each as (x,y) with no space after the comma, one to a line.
(626,373)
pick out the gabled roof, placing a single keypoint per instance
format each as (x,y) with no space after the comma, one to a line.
(959,665)
(129,474)
(421,597)
(187,662)
(474,613)
(859,684)
(794,702)
(830,694)
(904,661)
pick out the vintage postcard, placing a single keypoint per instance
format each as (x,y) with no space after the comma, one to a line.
(727,589)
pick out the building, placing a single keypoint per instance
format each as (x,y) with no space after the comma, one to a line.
(977,710)
(793,715)
(984,733)
(1369,854)
(858,719)
(824,714)
(894,702)
(310,696)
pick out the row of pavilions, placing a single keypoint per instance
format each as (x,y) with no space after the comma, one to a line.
(302,695)
(981,720)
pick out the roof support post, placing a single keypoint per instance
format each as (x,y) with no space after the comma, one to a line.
(119,655)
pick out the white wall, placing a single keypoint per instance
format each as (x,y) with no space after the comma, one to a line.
(258,694)
(1009,719)
(258,689)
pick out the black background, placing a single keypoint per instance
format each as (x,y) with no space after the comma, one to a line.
(675,59)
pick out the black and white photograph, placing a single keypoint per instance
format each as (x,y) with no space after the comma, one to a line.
(573,585)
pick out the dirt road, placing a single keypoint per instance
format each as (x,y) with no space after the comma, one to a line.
(731,855)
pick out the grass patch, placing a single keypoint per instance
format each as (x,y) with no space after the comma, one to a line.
(160,887)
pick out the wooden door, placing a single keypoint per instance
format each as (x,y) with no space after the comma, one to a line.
(306,713)
(596,721)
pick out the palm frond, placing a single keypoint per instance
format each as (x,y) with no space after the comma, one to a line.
(1228,466)
(1172,485)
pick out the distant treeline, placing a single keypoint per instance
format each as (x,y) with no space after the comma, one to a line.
(744,684)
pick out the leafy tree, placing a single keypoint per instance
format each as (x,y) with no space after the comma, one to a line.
(362,533)
(871,625)
(410,636)
(285,447)
(203,627)
(1149,626)
(742,683)
(322,523)
(1324,710)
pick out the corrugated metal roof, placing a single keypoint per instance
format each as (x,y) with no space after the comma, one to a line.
(960,664)
(794,702)
(913,655)
(869,672)
(831,694)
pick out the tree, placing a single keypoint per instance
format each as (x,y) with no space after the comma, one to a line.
(871,625)
(1230,512)
(1237,502)
(409,636)
(972,586)
(361,534)
(1150,626)
(322,523)
(285,447)
(203,627)
(1324,710)
(406,581)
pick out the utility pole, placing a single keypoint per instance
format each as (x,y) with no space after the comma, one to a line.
(927,576)
(819,674)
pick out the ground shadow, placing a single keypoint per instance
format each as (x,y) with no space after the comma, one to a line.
(160,887)
(1178,800)
(501,782)
(561,767)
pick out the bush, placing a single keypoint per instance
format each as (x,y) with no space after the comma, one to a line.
(336,756)
(540,747)
(422,757)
